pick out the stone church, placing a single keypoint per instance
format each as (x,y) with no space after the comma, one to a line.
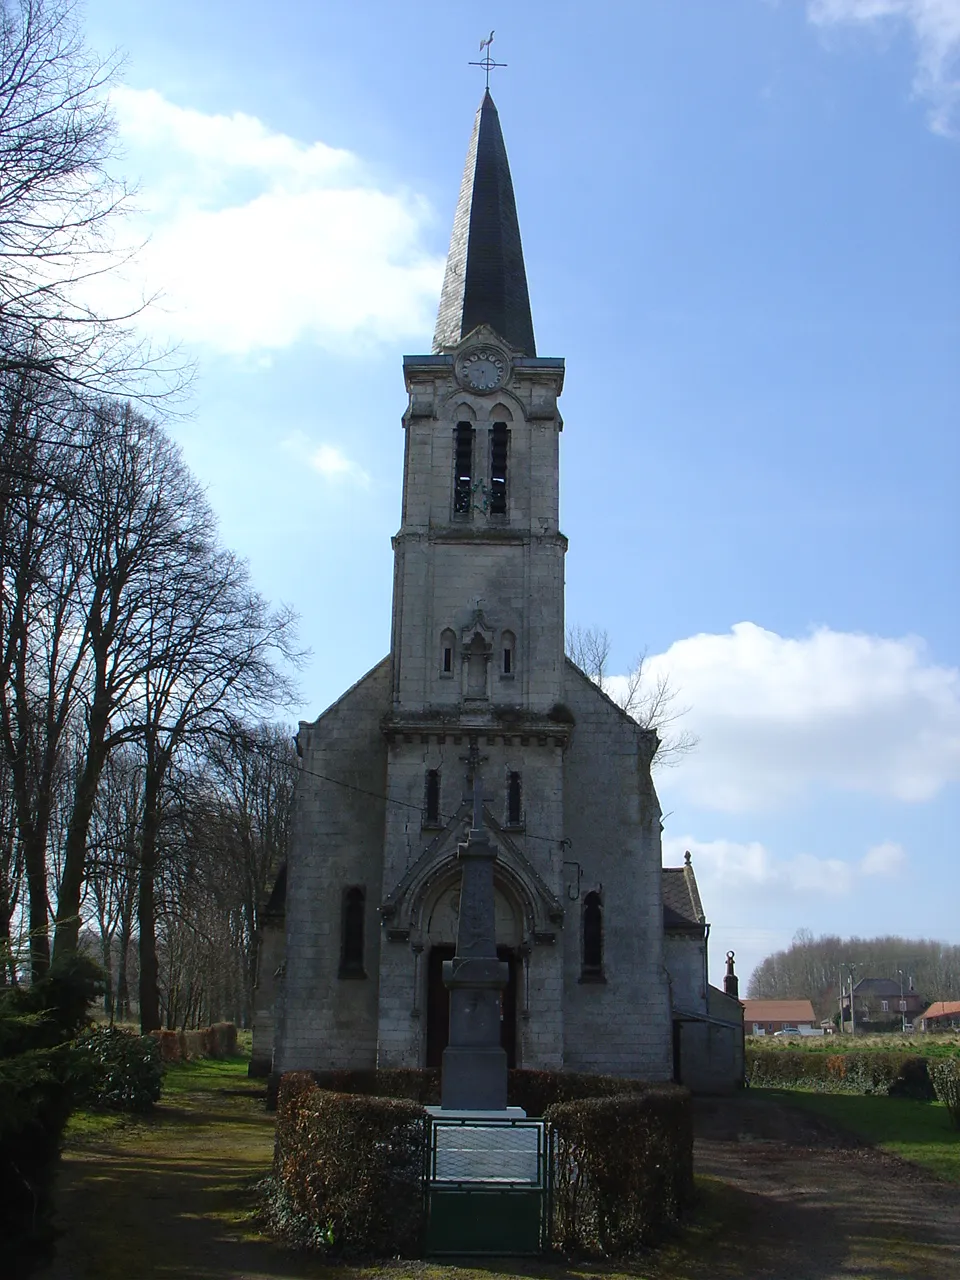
(606,950)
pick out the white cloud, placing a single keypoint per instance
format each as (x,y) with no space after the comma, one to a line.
(328,460)
(936,29)
(777,717)
(257,240)
(726,869)
(887,860)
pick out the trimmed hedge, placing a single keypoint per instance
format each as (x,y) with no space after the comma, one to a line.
(537,1091)
(349,1167)
(217,1041)
(117,1070)
(623,1168)
(902,1075)
(348,1170)
(946,1081)
(534,1091)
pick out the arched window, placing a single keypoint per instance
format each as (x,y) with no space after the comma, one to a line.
(431,805)
(514,811)
(463,469)
(448,643)
(592,966)
(351,934)
(499,442)
(508,654)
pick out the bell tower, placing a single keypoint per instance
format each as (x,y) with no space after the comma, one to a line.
(478,579)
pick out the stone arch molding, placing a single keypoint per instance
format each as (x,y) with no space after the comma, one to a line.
(505,406)
(437,867)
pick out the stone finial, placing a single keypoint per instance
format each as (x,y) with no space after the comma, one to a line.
(687,859)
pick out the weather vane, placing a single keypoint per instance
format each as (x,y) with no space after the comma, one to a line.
(487,61)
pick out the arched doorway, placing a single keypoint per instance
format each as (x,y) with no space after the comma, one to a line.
(440,944)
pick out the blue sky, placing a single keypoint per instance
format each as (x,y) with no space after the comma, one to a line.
(739,222)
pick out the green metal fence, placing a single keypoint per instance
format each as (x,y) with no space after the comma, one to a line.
(487,1186)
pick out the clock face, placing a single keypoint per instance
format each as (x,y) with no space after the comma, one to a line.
(484,369)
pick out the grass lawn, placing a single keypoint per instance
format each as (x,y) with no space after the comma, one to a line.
(917,1131)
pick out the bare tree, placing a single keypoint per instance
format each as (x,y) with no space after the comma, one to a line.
(58,203)
(647,698)
(42,647)
(217,651)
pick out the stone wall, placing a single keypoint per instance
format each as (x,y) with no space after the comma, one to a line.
(620,1025)
(328,1021)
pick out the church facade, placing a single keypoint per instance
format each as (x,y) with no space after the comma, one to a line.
(354,940)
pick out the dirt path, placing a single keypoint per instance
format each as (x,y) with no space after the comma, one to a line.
(785,1197)
(811,1204)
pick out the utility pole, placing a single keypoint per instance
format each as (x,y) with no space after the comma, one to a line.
(853,1016)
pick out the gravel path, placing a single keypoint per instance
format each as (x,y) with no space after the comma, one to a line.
(786,1197)
(816,1205)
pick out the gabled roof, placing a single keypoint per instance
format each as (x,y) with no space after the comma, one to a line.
(879,987)
(485,280)
(943,1009)
(682,908)
(790,1011)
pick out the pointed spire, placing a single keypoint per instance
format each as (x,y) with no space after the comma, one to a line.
(485,281)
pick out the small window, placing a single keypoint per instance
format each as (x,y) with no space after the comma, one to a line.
(447,646)
(431,806)
(592,968)
(885,1006)
(463,469)
(499,439)
(351,937)
(508,648)
(514,811)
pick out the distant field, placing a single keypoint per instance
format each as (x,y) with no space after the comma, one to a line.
(931,1044)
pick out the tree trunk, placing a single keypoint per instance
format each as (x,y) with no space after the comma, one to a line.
(70,890)
(147,907)
(35,864)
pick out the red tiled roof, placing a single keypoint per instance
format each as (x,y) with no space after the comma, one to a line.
(792,1012)
(942,1009)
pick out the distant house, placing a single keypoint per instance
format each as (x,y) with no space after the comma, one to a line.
(942,1015)
(882,1000)
(766,1017)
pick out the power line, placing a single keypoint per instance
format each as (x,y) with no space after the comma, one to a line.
(562,841)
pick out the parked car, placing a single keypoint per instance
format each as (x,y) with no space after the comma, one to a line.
(787,1031)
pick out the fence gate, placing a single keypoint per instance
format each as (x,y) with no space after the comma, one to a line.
(486,1186)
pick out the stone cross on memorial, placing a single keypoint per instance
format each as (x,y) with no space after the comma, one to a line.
(474,1075)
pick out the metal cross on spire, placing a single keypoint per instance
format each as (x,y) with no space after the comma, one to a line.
(487,61)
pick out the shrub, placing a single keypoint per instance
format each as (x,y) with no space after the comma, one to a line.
(899,1074)
(622,1168)
(37,1083)
(118,1070)
(415,1085)
(218,1041)
(536,1091)
(945,1077)
(348,1170)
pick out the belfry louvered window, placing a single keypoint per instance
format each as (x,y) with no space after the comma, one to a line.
(463,469)
(499,440)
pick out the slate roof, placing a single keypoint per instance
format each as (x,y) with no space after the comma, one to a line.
(793,1012)
(880,987)
(485,281)
(682,908)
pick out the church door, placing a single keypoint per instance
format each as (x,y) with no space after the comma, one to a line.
(438,1005)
